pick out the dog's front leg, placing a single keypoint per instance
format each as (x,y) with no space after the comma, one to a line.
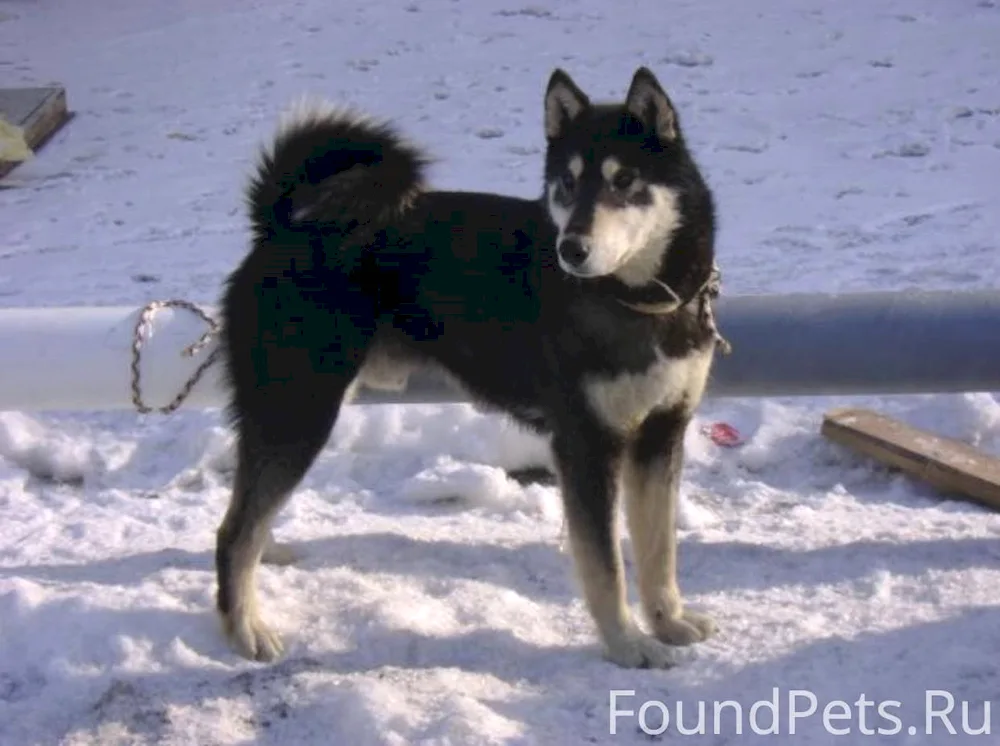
(589,462)
(652,487)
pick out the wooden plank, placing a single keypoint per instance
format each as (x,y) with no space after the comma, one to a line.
(946,464)
(40,112)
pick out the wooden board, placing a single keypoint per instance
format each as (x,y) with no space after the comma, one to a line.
(946,464)
(40,112)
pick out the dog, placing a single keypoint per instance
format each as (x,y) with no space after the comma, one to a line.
(585,315)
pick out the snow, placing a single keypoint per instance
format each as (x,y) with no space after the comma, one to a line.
(852,146)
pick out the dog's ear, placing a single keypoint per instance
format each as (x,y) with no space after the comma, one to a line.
(649,103)
(563,103)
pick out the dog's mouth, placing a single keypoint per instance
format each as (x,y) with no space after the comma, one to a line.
(579,273)
(582,257)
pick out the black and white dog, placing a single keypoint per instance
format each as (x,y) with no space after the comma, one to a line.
(585,314)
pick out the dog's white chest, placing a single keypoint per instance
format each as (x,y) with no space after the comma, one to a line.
(624,400)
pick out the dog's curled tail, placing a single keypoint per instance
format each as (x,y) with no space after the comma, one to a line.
(333,169)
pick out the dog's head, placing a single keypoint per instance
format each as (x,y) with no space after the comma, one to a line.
(615,175)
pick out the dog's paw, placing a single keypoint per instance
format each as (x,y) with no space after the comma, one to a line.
(690,627)
(639,650)
(253,639)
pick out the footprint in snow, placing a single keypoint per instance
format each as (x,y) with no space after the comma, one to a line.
(530,12)
(906,150)
(523,149)
(688,59)
(743,147)
(362,65)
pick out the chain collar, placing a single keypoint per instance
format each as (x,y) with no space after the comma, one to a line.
(707,293)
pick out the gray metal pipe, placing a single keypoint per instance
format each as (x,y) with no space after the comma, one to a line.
(860,343)
(791,345)
(852,343)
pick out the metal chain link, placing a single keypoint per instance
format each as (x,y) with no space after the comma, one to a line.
(142,324)
(711,290)
(704,297)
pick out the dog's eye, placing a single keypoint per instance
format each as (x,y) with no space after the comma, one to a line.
(567,182)
(623,179)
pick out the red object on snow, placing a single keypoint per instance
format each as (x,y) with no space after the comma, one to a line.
(723,434)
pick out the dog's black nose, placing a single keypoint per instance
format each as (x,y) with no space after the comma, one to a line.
(572,251)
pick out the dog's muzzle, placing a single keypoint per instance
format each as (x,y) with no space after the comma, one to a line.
(573,252)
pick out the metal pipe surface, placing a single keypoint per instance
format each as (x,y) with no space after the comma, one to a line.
(783,345)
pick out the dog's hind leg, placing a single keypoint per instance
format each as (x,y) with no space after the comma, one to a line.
(652,488)
(589,461)
(280,430)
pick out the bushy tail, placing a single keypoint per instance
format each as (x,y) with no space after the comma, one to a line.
(335,170)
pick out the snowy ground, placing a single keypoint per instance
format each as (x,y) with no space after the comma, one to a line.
(852,145)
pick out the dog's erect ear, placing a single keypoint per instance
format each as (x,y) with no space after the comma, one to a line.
(563,103)
(649,103)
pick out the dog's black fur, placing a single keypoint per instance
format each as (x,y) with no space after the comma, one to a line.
(354,265)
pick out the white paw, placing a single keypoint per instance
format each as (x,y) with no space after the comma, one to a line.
(688,628)
(639,650)
(253,639)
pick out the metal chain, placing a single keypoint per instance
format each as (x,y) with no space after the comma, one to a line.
(142,324)
(711,291)
(705,295)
